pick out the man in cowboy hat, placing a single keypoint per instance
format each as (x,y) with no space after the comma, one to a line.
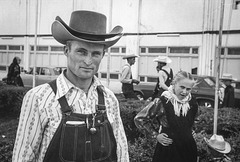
(126,77)
(75,117)
(228,99)
(165,75)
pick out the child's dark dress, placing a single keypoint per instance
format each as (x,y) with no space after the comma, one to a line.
(178,128)
(183,148)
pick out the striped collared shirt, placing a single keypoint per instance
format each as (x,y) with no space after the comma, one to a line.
(41,115)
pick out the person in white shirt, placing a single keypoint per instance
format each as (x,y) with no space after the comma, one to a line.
(75,117)
(165,76)
(126,78)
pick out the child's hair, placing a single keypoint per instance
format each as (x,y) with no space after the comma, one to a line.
(182,75)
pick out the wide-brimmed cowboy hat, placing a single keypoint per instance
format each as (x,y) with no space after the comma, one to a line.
(163,59)
(130,56)
(227,77)
(87,26)
(217,143)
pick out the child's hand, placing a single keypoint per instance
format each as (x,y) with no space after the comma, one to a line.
(164,140)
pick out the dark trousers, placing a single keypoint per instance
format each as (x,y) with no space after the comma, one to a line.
(128,91)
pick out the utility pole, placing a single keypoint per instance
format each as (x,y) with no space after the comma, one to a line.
(109,52)
(217,63)
(35,46)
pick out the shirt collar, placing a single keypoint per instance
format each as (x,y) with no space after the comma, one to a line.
(64,85)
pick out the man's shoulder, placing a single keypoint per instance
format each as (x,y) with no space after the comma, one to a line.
(39,90)
(126,66)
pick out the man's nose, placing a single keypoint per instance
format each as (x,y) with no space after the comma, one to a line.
(88,60)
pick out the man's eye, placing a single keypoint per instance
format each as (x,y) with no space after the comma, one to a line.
(96,53)
(82,52)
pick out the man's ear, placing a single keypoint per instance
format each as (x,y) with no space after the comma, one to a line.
(66,50)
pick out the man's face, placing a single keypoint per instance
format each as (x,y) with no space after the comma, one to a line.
(161,64)
(83,59)
(227,82)
(132,60)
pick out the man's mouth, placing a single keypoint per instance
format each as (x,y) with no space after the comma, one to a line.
(87,68)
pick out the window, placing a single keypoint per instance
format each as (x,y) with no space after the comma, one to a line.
(113,76)
(194,50)
(222,51)
(142,79)
(103,75)
(152,79)
(14,47)
(3,67)
(143,50)
(234,51)
(114,50)
(3,47)
(56,48)
(123,50)
(157,50)
(179,49)
(40,48)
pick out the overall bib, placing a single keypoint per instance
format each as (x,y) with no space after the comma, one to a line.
(82,137)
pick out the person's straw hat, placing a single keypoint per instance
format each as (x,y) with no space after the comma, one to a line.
(85,26)
(217,143)
(129,56)
(164,59)
(227,76)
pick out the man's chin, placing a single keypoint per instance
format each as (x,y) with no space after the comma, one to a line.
(86,75)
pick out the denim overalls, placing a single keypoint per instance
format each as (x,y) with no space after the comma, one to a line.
(82,137)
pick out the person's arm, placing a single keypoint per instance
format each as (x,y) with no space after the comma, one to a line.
(162,80)
(144,120)
(30,130)
(119,132)
(124,78)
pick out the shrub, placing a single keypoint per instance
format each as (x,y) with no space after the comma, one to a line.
(128,110)
(228,126)
(140,148)
(11,99)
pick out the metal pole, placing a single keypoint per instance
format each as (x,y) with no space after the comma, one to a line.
(225,52)
(138,37)
(109,53)
(35,46)
(218,55)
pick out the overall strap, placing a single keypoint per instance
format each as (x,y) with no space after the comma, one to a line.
(166,72)
(63,102)
(101,101)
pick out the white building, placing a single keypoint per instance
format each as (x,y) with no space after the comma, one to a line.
(185,30)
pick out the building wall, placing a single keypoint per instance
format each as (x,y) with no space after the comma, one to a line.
(147,24)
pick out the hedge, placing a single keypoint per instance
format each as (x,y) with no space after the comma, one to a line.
(140,148)
(11,99)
